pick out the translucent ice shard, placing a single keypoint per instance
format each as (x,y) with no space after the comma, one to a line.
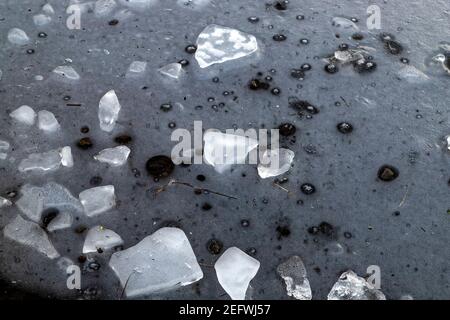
(235,269)
(160,262)
(114,156)
(351,287)
(217,44)
(47,121)
(100,238)
(104,7)
(275,162)
(4,147)
(293,272)
(63,220)
(344,24)
(31,235)
(98,200)
(47,161)
(223,150)
(412,75)
(172,70)
(25,115)
(18,36)
(34,200)
(41,19)
(108,112)
(136,68)
(5,203)
(48,9)
(66,72)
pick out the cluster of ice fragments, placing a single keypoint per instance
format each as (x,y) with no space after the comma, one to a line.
(4,147)
(47,121)
(222,150)
(47,161)
(45,17)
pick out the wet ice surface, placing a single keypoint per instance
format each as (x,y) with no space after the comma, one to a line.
(99,239)
(400,225)
(293,272)
(47,161)
(114,156)
(24,115)
(160,262)
(352,287)
(47,121)
(235,269)
(98,200)
(108,111)
(275,163)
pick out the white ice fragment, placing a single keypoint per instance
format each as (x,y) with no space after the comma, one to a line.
(108,111)
(114,156)
(66,157)
(18,36)
(67,72)
(47,161)
(48,9)
(351,287)
(31,235)
(412,75)
(98,200)
(223,150)
(25,115)
(275,162)
(104,7)
(344,24)
(34,200)
(5,203)
(293,272)
(38,77)
(160,262)
(137,67)
(63,220)
(172,70)
(100,238)
(41,19)
(4,146)
(47,121)
(235,269)
(218,44)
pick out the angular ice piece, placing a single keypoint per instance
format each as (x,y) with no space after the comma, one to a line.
(235,269)
(47,161)
(348,56)
(25,115)
(412,75)
(293,272)
(18,36)
(351,287)
(137,67)
(48,9)
(275,162)
(344,24)
(98,200)
(114,156)
(5,203)
(63,220)
(160,262)
(67,72)
(218,44)
(223,150)
(173,70)
(30,234)
(108,112)
(47,121)
(66,157)
(100,238)
(34,200)
(104,7)
(41,19)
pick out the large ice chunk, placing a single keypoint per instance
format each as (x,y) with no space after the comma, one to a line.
(351,287)
(47,161)
(222,150)
(30,234)
(172,70)
(293,272)
(108,112)
(98,200)
(66,72)
(47,121)
(25,115)
(160,262)
(235,269)
(275,162)
(18,36)
(34,200)
(114,156)
(100,238)
(217,44)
